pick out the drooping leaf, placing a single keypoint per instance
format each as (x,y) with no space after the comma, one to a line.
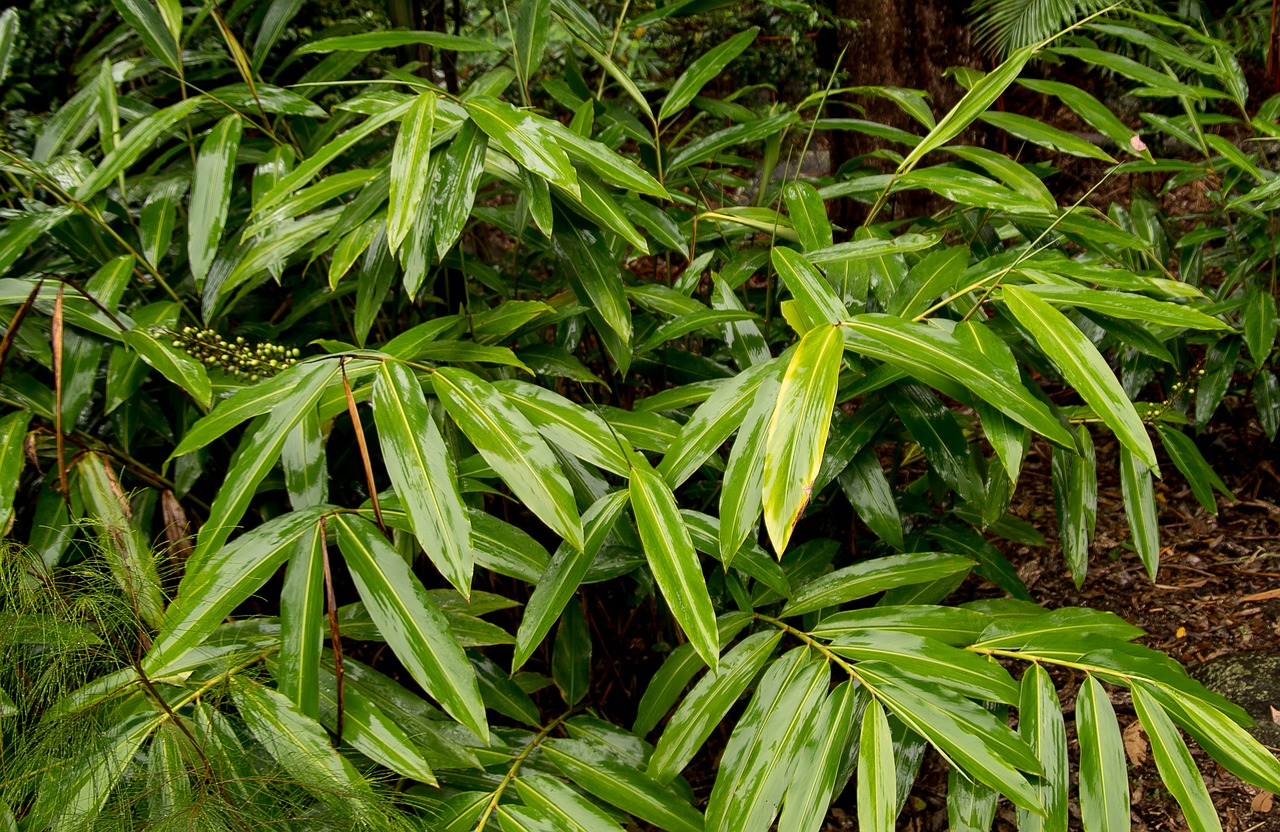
(673,559)
(1173,761)
(1104,783)
(211,194)
(411,622)
(410,168)
(418,463)
(877,802)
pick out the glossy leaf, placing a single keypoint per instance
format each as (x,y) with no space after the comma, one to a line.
(677,671)
(301,608)
(1083,367)
(1104,784)
(622,786)
(710,64)
(708,703)
(453,188)
(1040,723)
(147,21)
(1140,507)
(410,168)
(510,444)
(877,801)
(820,759)
(525,138)
(211,194)
(1173,761)
(673,560)
(872,576)
(141,138)
(571,655)
(174,364)
(418,463)
(411,622)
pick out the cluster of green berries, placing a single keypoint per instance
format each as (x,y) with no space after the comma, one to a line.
(247,362)
(1185,388)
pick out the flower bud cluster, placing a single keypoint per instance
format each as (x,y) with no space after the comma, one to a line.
(245,361)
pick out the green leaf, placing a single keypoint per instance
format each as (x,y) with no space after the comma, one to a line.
(9,24)
(1104,780)
(411,622)
(623,79)
(1187,458)
(302,747)
(956,626)
(155,227)
(741,495)
(1232,746)
(616,169)
(301,604)
(1040,723)
(369,729)
(710,64)
(505,549)
(943,361)
(939,434)
(971,806)
(147,21)
(708,703)
(706,147)
(819,761)
(417,461)
(513,447)
(1083,367)
(568,425)
(967,734)
(872,576)
(596,277)
(1173,761)
(1093,111)
(960,670)
(756,766)
(864,484)
(257,455)
(141,138)
(173,363)
(1037,132)
(1075,500)
(677,671)
(571,655)
(453,188)
(814,295)
(501,693)
(798,430)
(322,158)
(13,431)
(526,138)
(553,589)
(622,786)
(564,804)
(305,464)
(214,585)
(211,194)
(673,560)
(1140,507)
(393,39)
(714,421)
(1127,306)
(809,215)
(979,97)
(410,167)
(75,797)
(965,187)
(529,37)
(877,793)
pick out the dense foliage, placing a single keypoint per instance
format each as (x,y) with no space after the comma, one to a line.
(316,374)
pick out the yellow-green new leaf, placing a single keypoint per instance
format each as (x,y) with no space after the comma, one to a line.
(512,446)
(1084,368)
(410,170)
(798,430)
(211,194)
(411,622)
(417,461)
(672,558)
(815,297)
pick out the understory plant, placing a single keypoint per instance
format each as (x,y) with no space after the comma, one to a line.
(327,391)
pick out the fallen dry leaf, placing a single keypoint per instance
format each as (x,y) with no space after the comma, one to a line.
(1275,714)
(1135,744)
(1263,596)
(1262,802)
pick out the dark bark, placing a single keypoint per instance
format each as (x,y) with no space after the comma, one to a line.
(901,43)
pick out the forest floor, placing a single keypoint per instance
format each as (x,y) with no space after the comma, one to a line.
(1217,592)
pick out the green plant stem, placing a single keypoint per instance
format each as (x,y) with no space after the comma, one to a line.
(515,767)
